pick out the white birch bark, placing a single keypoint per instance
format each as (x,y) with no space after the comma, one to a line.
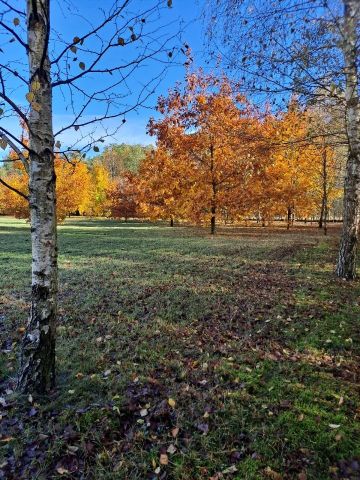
(37,365)
(346,266)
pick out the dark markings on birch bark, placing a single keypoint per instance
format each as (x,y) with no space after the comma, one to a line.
(37,357)
(346,266)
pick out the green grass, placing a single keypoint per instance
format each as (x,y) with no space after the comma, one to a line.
(249,332)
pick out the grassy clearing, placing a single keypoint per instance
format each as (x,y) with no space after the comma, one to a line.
(248,332)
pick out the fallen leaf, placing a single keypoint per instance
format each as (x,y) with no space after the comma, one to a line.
(269,472)
(171,402)
(175,432)
(231,469)
(164,459)
(171,449)
(72,448)
(62,470)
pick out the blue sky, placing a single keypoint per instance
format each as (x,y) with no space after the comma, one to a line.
(72,18)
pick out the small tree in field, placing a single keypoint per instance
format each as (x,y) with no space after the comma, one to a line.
(94,66)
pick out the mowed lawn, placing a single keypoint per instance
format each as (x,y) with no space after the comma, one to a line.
(182,356)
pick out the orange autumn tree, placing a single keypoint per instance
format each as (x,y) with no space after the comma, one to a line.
(72,189)
(11,203)
(73,183)
(101,185)
(14,189)
(213,139)
(161,186)
(123,196)
(287,184)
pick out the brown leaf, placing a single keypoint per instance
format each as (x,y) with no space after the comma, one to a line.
(62,470)
(269,472)
(175,432)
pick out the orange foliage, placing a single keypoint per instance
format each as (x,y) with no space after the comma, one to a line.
(216,157)
(123,197)
(214,141)
(73,189)
(161,186)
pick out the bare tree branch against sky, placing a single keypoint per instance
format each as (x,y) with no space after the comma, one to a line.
(126,89)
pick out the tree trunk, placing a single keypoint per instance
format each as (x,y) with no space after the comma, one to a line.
(171,222)
(37,358)
(321,218)
(214,191)
(346,266)
(289,213)
(325,191)
(213,219)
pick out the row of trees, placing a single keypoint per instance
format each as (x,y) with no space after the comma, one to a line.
(81,187)
(216,156)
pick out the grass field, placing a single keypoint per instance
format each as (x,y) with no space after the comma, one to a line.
(182,356)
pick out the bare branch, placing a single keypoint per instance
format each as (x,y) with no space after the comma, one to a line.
(12,31)
(13,9)
(14,107)
(91,33)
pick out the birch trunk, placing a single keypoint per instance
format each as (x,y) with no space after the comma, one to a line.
(346,266)
(37,360)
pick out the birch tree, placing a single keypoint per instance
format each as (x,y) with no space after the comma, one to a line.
(94,66)
(346,266)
